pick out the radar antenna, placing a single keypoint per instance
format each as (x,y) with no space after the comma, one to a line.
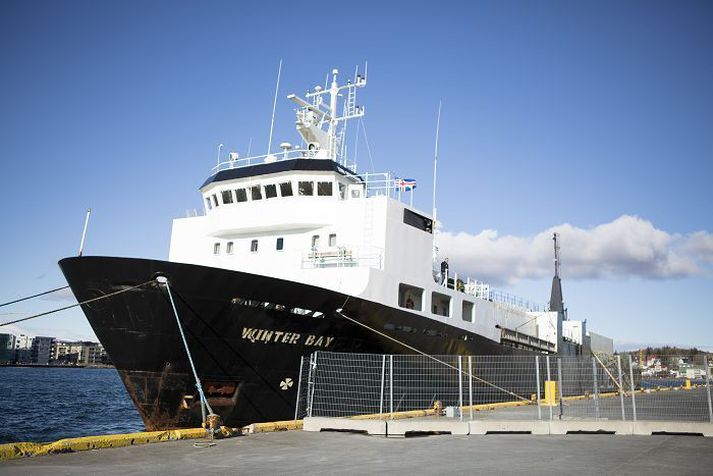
(313,114)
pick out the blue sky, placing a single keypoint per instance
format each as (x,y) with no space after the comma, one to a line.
(590,118)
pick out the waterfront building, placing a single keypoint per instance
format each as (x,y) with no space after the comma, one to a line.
(23,341)
(7,348)
(78,352)
(41,350)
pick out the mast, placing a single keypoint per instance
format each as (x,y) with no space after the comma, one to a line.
(556,301)
(312,115)
(555,238)
(435,168)
(274,105)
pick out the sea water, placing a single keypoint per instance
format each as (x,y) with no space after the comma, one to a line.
(45,404)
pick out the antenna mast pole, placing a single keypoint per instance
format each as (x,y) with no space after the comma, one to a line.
(555,238)
(84,231)
(274,105)
(435,168)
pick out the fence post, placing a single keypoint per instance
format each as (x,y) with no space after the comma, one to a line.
(537,377)
(559,384)
(596,388)
(460,386)
(633,388)
(381,394)
(621,388)
(391,386)
(312,378)
(470,384)
(549,379)
(708,387)
(299,386)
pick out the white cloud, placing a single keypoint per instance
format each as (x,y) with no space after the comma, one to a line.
(61,295)
(626,247)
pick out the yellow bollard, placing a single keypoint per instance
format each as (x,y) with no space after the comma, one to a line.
(550,393)
(688,384)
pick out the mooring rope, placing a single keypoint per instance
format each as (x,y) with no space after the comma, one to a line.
(33,296)
(339,311)
(204,401)
(75,305)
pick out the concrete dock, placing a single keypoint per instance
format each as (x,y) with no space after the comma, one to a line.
(298,452)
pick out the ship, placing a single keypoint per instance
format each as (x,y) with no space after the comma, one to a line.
(295,251)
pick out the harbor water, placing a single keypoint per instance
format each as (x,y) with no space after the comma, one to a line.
(42,404)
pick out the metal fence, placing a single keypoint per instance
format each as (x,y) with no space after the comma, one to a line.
(540,387)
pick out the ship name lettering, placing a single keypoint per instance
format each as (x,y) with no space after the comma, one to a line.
(319,341)
(267,336)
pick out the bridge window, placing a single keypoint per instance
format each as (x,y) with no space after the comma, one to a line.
(468,309)
(286,189)
(227,196)
(418,221)
(410,297)
(241,195)
(441,304)
(215,200)
(216,248)
(208,205)
(280,244)
(324,189)
(255,193)
(315,242)
(270,191)
(253,246)
(342,191)
(333,239)
(229,248)
(305,188)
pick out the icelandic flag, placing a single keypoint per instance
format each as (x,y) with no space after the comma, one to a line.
(405,185)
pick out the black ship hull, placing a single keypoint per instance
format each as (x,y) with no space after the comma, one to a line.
(246,334)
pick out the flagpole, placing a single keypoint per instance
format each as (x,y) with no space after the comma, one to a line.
(435,169)
(274,105)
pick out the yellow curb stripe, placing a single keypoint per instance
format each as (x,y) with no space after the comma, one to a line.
(69,445)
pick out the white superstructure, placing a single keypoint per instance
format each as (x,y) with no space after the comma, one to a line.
(306,215)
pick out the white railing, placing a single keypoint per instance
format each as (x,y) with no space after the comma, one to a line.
(377,183)
(266,159)
(387,184)
(340,258)
(484,291)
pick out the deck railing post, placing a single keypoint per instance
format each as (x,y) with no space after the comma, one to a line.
(633,388)
(537,384)
(621,388)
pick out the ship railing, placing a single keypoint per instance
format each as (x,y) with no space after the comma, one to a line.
(526,341)
(376,183)
(482,290)
(341,257)
(390,185)
(236,162)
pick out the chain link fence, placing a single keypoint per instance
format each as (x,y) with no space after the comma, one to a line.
(539,387)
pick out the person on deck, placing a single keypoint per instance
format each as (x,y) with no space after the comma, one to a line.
(444,270)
